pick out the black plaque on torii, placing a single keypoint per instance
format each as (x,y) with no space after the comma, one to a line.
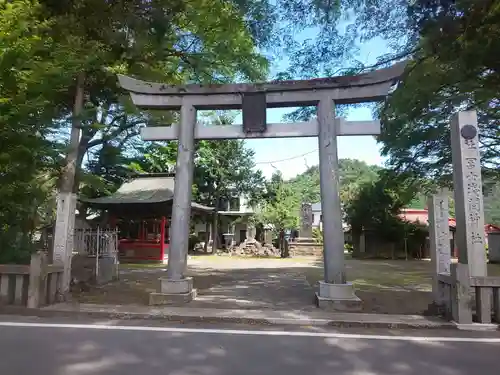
(254,112)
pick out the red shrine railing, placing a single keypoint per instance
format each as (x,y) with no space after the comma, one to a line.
(149,244)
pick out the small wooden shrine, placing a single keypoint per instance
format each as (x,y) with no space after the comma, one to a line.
(141,210)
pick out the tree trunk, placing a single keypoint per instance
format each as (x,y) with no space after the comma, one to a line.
(215,231)
(215,224)
(67,179)
(282,245)
(70,166)
(82,149)
(65,222)
(207,235)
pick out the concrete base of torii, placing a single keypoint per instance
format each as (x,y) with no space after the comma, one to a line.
(173,292)
(338,297)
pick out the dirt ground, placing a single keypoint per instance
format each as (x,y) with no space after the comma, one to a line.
(388,287)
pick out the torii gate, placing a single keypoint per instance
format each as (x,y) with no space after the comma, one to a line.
(254,99)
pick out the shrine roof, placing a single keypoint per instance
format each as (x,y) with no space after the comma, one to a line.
(142,190)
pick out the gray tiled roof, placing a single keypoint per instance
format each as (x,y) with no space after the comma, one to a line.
(143,190)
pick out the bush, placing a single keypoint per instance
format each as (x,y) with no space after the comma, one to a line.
(317,235)
(192,241)
(349,247)
(15,247)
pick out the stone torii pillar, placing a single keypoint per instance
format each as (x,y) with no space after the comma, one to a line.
(331,210)
(254,99)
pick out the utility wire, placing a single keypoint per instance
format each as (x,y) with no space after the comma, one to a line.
(287,159)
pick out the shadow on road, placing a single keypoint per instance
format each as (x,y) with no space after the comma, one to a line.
(98,352)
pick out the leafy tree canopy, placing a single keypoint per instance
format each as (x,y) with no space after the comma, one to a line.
(455,68)
(280,212)
(352,174)
(47,44)
(376,209)
(452,47)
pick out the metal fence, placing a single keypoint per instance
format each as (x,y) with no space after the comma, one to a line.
(100,247)
(92,242)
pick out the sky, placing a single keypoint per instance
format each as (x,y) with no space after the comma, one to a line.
(293,156)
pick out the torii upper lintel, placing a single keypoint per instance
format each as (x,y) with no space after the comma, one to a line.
(371,86)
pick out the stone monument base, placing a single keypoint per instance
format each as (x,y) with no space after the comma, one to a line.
(304,240)
(252,247)
(338,297)
(173,292)
(303,246)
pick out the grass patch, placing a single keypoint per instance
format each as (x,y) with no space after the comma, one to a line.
(141,265)
(371,275)
(493,269)
(382,275)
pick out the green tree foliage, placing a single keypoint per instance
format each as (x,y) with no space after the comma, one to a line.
(492,205)
(271,186)
(173,42)
(281,212)
(225,168)
(377,206)
(156,157)
(109,167)
(452,45)
(306,185)
(281,200)
(455,67)
(352,174)
(164,40)
(26,157)
(378,202)
(45,47)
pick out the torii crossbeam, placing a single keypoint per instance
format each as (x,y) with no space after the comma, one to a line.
(254,99)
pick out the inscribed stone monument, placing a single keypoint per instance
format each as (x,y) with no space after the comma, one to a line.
(306,220)
(439,235)
(468,191)
(305,245)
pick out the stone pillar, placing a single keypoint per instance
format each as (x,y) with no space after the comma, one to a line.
(37,278)
(468,191)
(461,307)
(251,232)
(176,287)
(334,292)
(439,235)
(268,236)
(362,242)
(228,239)
(64,239)
(306,221)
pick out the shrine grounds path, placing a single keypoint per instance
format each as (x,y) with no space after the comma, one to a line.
(34,346)
(386,287)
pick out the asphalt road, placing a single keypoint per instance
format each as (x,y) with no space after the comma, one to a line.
(60,347)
